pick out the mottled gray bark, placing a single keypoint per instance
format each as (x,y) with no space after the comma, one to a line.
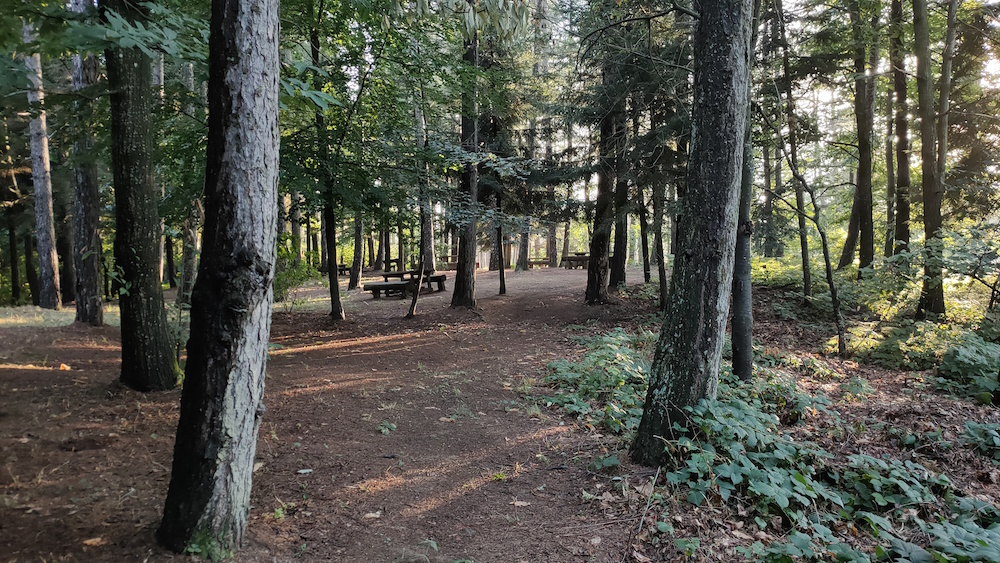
(86,200)
(148,361)
(45,233)
(208,500)
(464,294)
(685,366)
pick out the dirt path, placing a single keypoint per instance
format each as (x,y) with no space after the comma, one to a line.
(385,439)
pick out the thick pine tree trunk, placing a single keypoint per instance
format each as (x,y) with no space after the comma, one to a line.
(48,260)
(64,250)
(208,501)
(523,248)
(901,234)
(336,305)
(932,292)
(148,362)
(464,294)
(685,366)
(616,277)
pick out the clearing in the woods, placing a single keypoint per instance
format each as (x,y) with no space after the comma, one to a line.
(388,439)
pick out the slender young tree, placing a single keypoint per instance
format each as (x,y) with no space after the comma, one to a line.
(45,233)
(600,241)
(901,231)
(685,366)
(148,362)
(865,63)
(208,500)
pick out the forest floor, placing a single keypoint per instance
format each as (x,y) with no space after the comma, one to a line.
(390,440)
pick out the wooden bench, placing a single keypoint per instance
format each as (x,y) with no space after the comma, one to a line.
(576,261)
(402,287)
(435,278)
(541,262)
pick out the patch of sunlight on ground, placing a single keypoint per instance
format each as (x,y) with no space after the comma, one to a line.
(30,315)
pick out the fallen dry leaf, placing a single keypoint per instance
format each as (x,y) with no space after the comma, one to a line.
(520,503)
(376,514)
(94,542)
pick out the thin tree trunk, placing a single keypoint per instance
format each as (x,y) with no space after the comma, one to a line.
(64,250)
(644,235)
(48,261)
(208,500)
(15,271)
(503,269)
(767,208)
(890,179)
(616,277)
(901,225)
(800,205)
(688,354)
(148,361)
(29,268)
(171,268)
(358,252)
(853,226)
(295,210)
(524,245)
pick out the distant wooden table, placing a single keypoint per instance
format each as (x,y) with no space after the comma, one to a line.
(576,261)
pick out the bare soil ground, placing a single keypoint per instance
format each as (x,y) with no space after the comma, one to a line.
(385,439)
(394,440)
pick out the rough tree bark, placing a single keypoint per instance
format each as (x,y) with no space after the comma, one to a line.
(864,112)
(932,292)
(464,294)
(600,240)
(359,242)
(901,233)
(208,500)
(45,233)
(685,366)
(148,361)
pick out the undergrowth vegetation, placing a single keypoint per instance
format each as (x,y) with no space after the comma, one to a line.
(806,503)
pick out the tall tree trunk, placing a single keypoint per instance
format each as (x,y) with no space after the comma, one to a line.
(853,226)
(659,181)
(932,292)
(502,268)
(742,329)
(208,500)
(295,211)
(378,262)
(767,208)
(15,270)
(685,366)
(401,244)
(64,250)
(800,203)
(48,260)
(464,294)
(359,241)
(336,305)
(901,231)
(171,268)
(644,234)
(890,178)
(189,252)
(616,279)
(29,269)
(864,112)
(148,362)
(524,247)
(604,214)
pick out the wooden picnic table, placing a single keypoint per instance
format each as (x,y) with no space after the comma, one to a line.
(343,269)
(406,284)
(576,261)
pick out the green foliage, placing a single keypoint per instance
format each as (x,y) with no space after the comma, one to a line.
(985,438)
(385,427)
(970,366)
(608,384)
(288,275)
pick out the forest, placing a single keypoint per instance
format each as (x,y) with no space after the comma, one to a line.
(715,280)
